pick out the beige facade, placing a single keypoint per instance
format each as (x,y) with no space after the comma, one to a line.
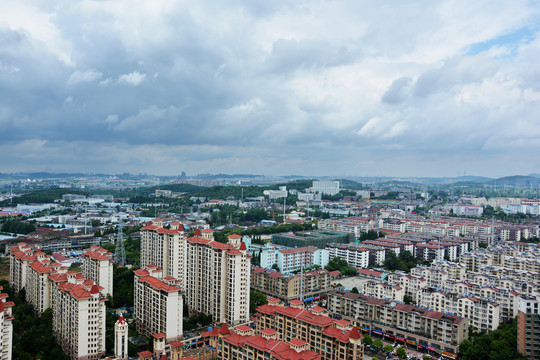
(6,327)
(78,316)
(331,338)
(158,304)
(287,287)
(98,266)
(420,325)
(165,248)
(484,315)
(219,279)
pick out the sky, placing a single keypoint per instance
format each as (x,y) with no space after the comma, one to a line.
(336,88)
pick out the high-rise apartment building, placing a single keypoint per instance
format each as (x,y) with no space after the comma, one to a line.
(6,327)
(158,304)
(165,248)
(528,334)
(219,278)
(20,257)
(78,316)
(214,276)
(98,266)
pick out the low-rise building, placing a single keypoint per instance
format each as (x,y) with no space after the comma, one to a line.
(287,287)
(417,326)
(331,338)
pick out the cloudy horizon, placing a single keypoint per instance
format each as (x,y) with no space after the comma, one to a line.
(353,88)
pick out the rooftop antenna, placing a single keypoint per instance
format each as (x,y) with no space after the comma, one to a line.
(120,253)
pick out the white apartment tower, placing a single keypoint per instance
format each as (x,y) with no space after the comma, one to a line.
(158,304)
(20,257)
(165,248)
(98,266)
(6,327)
(78,316)
(219,279)
(121,339)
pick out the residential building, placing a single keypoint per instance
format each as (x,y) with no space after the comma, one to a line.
(219,279)
(20,257)
(309,285)
(158,304)
(78,316)
(355,255)
(165,248)
(6,327)
(98,266)
(331,338)
(414,325)
(244,343)
(528,336)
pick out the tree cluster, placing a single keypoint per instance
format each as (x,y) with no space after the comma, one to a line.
(500,344)
(32,336)
(17,226)
(341,265)
(405,261)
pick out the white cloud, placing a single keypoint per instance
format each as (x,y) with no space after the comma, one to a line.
(83,77)
(133,78)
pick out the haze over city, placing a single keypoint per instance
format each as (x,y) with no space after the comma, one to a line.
(421,88)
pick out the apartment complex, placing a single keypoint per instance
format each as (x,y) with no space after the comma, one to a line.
(528,336)
(98,266)
(214,276)
(165,248)
(219,278)
(310,285)
(484,314)
(417,326)
(356,255)
(244,343)
(158,304)
(78,303)
(78,316)
(331,338)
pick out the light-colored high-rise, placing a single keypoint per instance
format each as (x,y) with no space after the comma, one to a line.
(78,316)
(158,304)
(165,248)
(98,266)
(214,276)
(6,327)
(20,257)
(219,278)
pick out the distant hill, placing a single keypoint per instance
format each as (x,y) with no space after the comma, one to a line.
(42,196)
(517,180)
(535,175)
(349,184)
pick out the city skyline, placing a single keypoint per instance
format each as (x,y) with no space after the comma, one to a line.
(416,89)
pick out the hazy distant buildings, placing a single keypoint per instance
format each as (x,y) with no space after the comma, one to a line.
(325,187)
